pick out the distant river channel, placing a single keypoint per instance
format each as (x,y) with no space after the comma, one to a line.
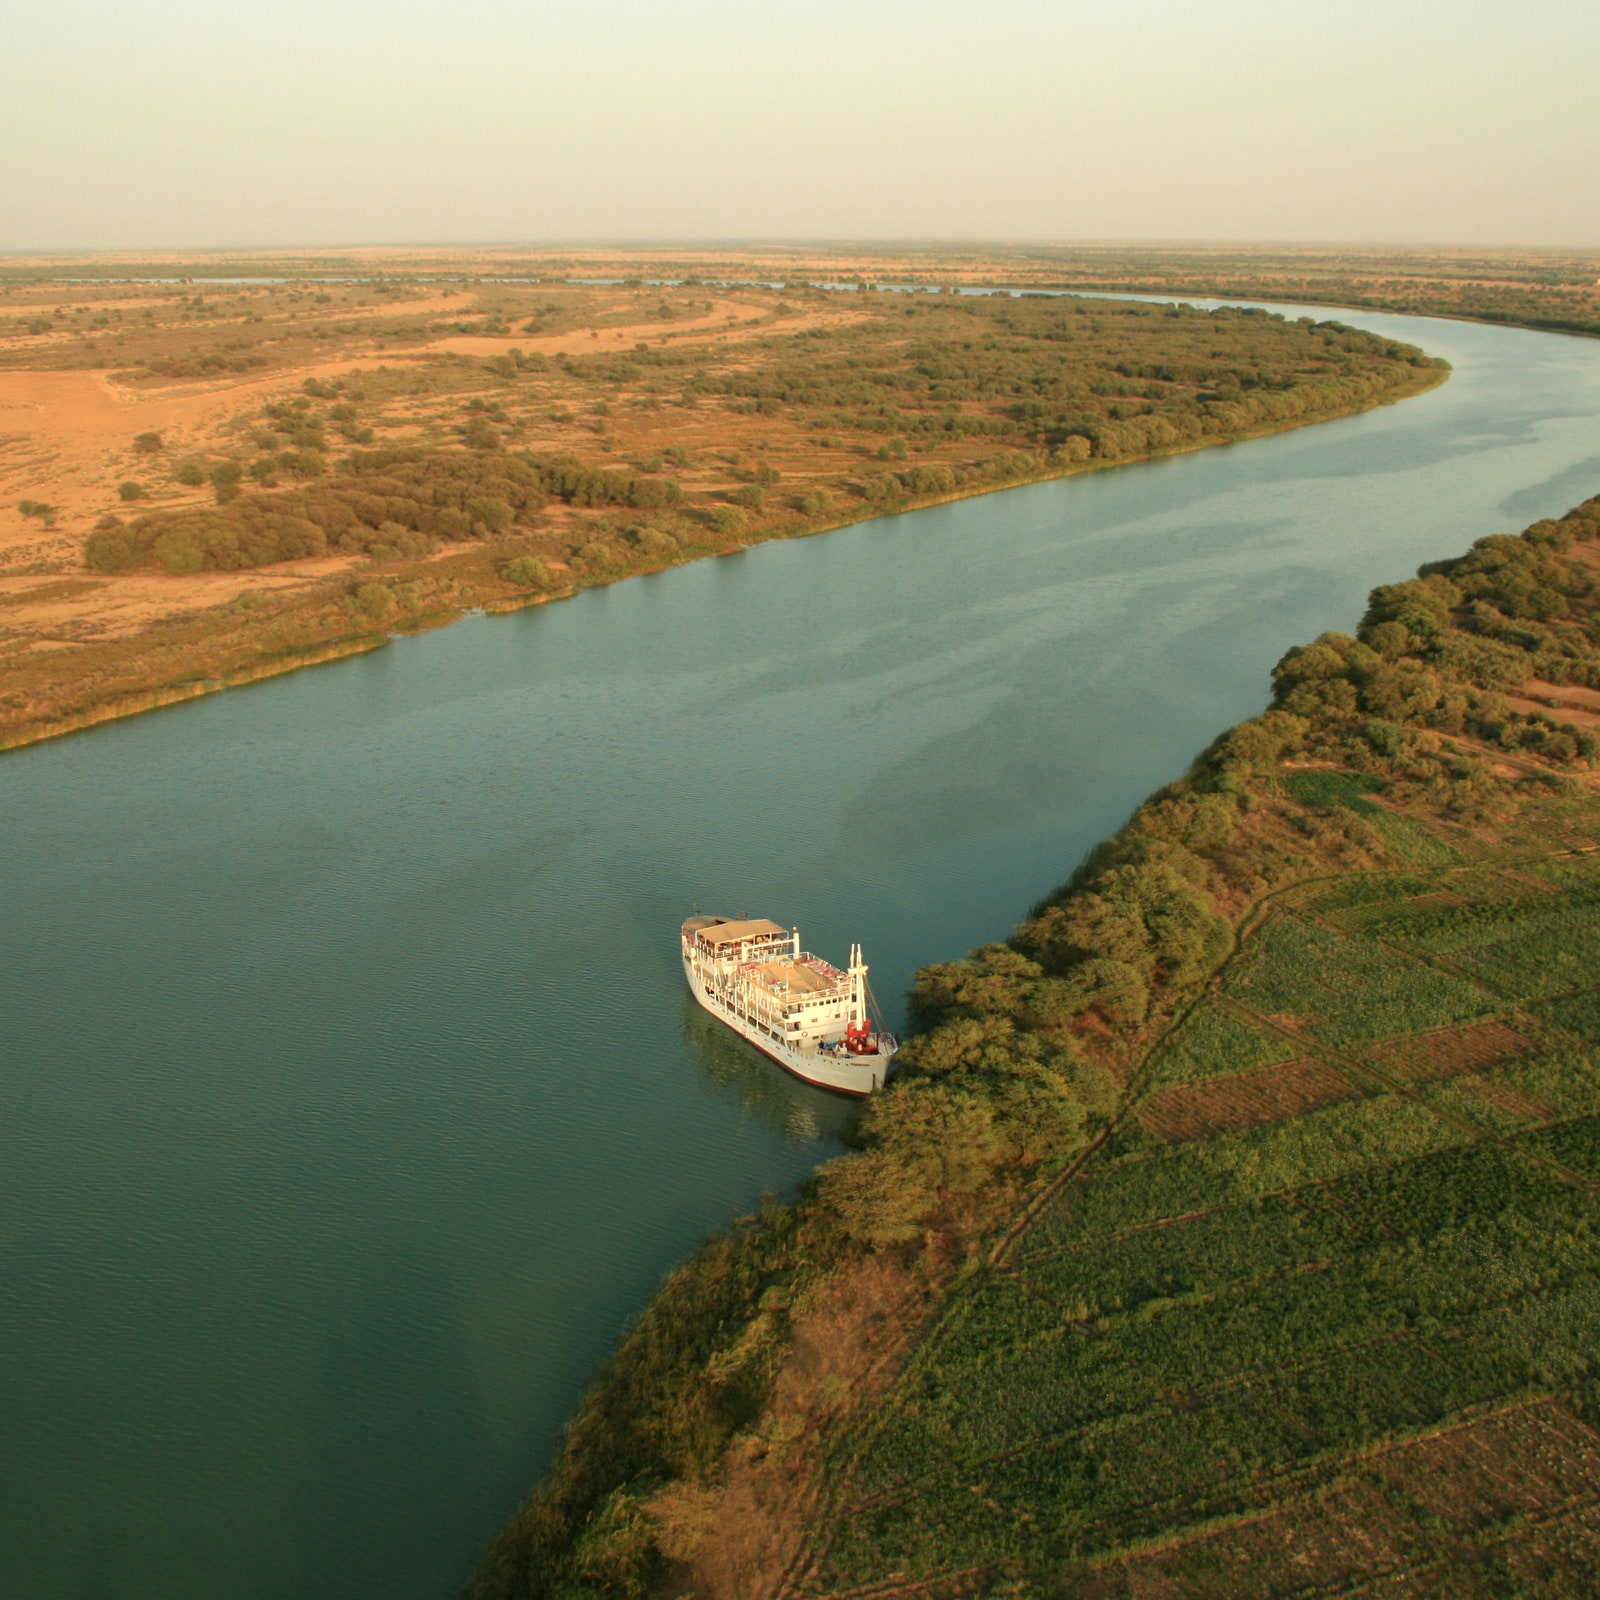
(351,1100)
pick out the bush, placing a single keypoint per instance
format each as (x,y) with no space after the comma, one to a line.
(529,572)
(435,494)
(147,444)
(191,474)
(879,1198)
(130,490)
(929,480)
(652,541)
(491,512)
(115,549)
(394,541)
(374,599)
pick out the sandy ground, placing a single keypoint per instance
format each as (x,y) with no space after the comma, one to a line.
(727,319)
(1562,702)
(66,438)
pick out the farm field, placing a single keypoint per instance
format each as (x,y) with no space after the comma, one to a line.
(1324,1303)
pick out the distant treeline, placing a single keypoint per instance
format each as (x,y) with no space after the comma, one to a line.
(1007,1068)
(1051,383)
(1558,292)
(1121,379)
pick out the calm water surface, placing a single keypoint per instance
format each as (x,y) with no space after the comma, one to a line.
(350,1099)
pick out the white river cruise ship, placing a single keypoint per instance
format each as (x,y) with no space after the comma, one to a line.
(809,1017)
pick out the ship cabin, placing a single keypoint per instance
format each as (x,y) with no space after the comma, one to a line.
(724,939)
(759,970)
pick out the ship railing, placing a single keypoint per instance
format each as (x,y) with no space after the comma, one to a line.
(782,991)
(768,945)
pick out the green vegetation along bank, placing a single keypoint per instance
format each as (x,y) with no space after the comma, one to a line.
(1236,1214)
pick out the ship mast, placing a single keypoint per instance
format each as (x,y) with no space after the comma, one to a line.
(858,986)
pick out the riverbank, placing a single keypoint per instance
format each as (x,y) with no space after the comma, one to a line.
(1276,1039)
(511,471)
(408,597)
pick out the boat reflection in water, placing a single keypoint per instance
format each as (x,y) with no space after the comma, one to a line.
(739,1070)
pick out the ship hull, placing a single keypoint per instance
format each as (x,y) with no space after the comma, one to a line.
(853,1075)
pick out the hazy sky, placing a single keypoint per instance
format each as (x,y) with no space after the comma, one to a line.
(144,123)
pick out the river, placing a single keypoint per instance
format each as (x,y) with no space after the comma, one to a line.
(351,1100)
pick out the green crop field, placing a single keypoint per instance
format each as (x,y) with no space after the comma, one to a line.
(1214,1041)
(1334,1326)
(1578,1013)
(1347,989)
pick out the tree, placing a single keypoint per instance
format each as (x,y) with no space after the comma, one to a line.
(374,599)
(147,444)
(879,1198)
(526,570)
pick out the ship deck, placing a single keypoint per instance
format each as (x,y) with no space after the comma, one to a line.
(795,976)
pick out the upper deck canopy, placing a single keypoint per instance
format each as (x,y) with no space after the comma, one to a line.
(735,932)
(798,978)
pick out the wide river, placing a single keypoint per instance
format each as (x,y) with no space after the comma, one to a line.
(351,1100)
